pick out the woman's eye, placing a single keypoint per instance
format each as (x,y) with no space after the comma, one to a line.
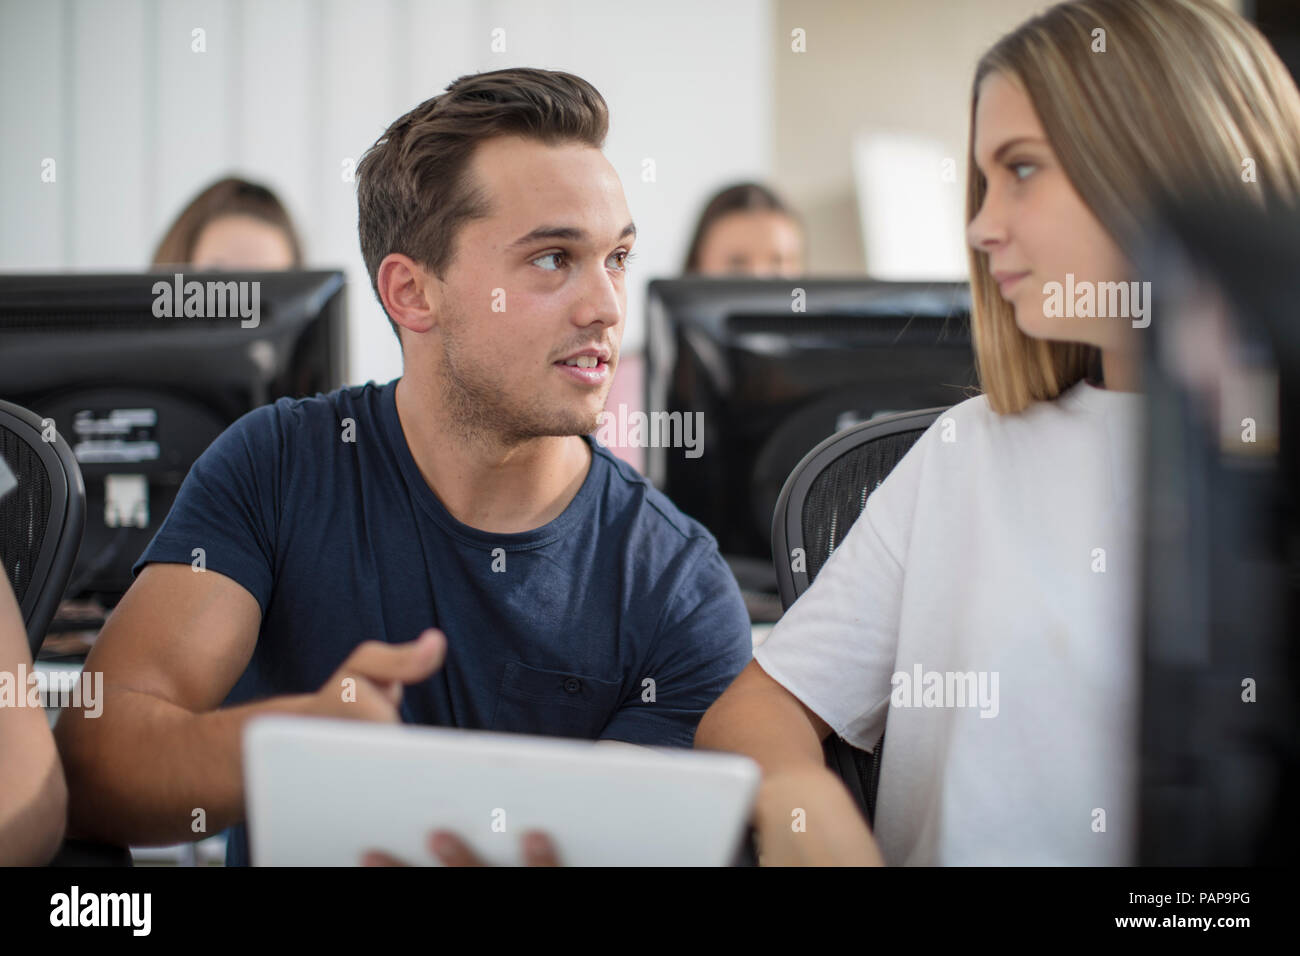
(1017,167)
(549,255)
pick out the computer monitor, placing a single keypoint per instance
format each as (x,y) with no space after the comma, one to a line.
(140,372)
(1220,730)
(770,367)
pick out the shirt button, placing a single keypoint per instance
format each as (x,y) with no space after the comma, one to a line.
(572,685)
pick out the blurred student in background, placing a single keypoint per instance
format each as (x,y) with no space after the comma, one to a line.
(745,230)
(232,225)
(981,554)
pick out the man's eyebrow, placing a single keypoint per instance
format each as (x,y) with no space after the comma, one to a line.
(570,233)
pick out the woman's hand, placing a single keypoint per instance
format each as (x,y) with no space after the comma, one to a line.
(808,818)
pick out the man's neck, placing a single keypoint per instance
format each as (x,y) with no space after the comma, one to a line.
(483,482)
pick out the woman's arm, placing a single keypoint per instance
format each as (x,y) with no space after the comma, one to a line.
(33,794)
(827,664)
(804,815)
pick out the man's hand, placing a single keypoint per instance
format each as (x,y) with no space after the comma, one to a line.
(447,847)
(809,819)
(368,685)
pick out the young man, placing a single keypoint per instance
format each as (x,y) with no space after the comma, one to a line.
(570,597)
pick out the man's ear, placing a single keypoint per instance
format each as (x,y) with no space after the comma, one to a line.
(412,295)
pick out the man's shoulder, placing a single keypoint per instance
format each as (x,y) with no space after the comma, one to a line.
(289,420)
(652,509)
(363,400)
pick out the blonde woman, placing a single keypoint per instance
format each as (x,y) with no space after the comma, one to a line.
(985,602)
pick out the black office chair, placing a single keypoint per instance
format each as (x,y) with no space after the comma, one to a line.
(820,501)
(41,521)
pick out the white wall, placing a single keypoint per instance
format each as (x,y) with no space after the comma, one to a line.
(138,122)
(901,68)
(880,68)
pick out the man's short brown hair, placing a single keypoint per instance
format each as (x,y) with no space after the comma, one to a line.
(413,185)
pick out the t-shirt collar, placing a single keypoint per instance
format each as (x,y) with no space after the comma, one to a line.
(432,506)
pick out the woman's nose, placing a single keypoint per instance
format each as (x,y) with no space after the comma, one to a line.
(986,230)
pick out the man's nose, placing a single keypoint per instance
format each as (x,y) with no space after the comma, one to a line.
(602,300)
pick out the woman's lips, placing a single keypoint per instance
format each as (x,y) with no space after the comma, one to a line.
(1008,281)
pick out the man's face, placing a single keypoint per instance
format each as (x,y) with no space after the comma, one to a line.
(535,296)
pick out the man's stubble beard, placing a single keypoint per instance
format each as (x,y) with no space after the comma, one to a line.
(480,408)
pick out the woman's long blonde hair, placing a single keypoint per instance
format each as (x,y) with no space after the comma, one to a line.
(1170,97)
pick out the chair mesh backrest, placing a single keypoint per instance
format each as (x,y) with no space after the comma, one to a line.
(838,495)
(24,512)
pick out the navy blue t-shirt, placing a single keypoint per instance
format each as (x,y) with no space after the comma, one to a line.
(551,631)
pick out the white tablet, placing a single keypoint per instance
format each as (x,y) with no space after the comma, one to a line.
(322,792)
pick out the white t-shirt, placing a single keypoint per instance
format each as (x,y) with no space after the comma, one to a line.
(1002,553)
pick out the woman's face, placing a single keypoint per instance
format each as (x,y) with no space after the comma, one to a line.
(242,242)
(1033,225)
(763,244)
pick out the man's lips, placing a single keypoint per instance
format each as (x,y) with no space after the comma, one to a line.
(587,374)
(601,354)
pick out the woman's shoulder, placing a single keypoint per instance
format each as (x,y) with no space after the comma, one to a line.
(973,416)
(1078,402)
(971,431)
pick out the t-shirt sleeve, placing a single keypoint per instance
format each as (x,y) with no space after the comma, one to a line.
(702,642)
(226,510)
(836,646)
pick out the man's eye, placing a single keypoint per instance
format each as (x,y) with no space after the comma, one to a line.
(623,257)
(550,255)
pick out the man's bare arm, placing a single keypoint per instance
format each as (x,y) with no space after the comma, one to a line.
(160,749)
